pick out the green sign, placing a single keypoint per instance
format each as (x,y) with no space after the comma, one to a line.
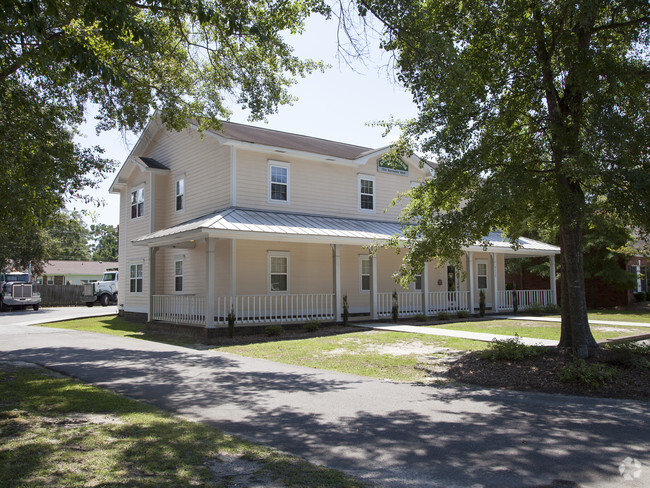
(392,165)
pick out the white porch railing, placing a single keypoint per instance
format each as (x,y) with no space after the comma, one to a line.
(409,303)
(447,301)
(257,309)
(179,309)
(525,298)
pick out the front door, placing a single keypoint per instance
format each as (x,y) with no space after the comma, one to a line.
(482,282)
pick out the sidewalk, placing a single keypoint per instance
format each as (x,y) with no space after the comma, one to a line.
(476,336)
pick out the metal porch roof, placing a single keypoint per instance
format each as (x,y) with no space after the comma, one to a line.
(241,223)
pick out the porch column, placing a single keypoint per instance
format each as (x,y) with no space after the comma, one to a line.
(551,261)
(470,279)
(152,280)
(336,281)
(233,269)
(425,289)
(495,284)
(209,282)
(373,287)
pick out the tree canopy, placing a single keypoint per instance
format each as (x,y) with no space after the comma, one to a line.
(106,238)
(128,58)
(534,111)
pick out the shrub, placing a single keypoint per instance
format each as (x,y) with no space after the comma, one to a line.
(420,317)
(640,296)
(443,316)
(510,350)
(463,314)
(589,374)
(311,325)
(231,323)
(395,308)
(535,309)
(346,310)
(551,308)
(273,330)
(481,303)
(629,354)
(515,299)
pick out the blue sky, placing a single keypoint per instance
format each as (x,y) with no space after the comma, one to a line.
(337,105)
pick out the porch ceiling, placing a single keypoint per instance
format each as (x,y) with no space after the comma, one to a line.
(248,224)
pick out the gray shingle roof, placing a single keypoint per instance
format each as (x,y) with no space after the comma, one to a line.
(287,140)
(152,163)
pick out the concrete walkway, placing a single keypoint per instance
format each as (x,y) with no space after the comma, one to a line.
(46,315)
(394,434)
(461,334)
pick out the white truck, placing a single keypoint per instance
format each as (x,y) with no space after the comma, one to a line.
(16,291)
(104,291)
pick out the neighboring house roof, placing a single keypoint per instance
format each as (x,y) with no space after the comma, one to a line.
(57,267)
(240,223)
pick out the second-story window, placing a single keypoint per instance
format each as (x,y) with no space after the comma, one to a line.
(137,203)
(278,182)
(366,194)
(180,194)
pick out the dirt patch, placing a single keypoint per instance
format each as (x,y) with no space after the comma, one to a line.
(234,471)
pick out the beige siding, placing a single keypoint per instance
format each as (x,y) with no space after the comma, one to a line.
(319,187)
(205,166)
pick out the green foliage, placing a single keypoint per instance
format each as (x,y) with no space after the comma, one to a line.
(67,238)
(629,354)
(510,350)
(534,113)
(231,319)
(420,317)
(106,246)
(481,303)
(346,310)
(589,374)
(463,314)
(187,59)
(311,325)
(640,296)
(395,308)
(515,299)
(537,309)
(273,330)
(443,315)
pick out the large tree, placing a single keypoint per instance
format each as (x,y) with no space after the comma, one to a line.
(533,110)
(128,58)
(67,238)
(106,239)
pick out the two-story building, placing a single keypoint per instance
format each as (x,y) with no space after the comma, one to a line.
(275,227)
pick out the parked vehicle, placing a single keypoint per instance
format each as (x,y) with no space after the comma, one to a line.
(16,291)
(104,291)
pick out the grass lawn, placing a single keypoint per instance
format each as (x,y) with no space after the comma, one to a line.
(539,330)
(55,431)
(616,315)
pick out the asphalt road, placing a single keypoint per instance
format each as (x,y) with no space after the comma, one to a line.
(397,435)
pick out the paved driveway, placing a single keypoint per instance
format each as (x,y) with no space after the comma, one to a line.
(397,435)
(53,314)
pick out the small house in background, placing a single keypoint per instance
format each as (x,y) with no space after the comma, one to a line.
(73,272)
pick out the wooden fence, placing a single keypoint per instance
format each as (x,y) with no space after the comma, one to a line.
(60,295)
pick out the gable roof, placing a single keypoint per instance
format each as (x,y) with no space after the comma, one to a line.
(60,267)
(287,140)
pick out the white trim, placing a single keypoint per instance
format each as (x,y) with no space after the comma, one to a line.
(364,258)
(178,179)
(284,165)
(233,177)
(277,254)
(179,259)
(135,189)
(360,178)
(136,278)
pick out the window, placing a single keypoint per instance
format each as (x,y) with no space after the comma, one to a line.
(178,275)
(135,278)
(279,272)
(418,282)
(279,182)
(366,194)
(137,203)
(364,273)
(180,194)
(481,274)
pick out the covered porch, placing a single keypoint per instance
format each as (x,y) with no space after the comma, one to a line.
(329,261)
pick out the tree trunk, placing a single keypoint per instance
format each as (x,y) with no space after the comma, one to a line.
(575,323)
